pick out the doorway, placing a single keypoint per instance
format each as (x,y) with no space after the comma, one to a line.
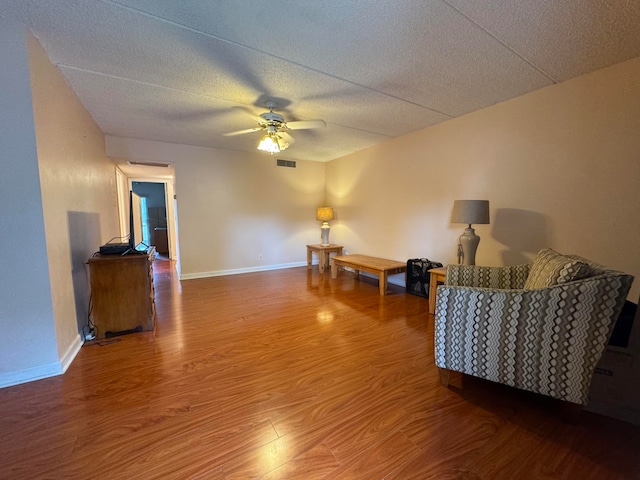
(154,215)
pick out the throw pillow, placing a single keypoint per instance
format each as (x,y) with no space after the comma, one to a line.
(552,268)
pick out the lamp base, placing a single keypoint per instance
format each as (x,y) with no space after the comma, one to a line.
(324,234)
(469,241)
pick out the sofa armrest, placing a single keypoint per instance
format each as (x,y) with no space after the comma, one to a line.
(487,277)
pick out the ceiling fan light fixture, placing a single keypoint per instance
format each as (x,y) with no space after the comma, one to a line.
(272,142)
(269,143)
(276,131)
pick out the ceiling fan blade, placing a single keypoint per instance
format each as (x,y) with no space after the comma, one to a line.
(286,137)
(306,124)
(242,132)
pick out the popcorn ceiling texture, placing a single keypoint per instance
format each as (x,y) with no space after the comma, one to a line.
(176,71)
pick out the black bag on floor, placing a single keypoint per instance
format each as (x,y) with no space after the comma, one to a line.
(417,280)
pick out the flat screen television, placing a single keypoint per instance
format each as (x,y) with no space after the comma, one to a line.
(135,225)
(133,244)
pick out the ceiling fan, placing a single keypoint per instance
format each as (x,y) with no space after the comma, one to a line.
(276,130)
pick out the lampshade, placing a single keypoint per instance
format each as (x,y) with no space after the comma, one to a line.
(470,212)
(324,214)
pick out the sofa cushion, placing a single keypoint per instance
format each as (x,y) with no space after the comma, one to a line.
(552,268)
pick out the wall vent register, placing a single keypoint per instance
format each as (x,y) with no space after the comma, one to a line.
(285,163)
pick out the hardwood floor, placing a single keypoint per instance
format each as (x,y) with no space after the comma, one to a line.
(291,374)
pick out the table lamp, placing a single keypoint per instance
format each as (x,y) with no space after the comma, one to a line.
(324,214)
(470,212)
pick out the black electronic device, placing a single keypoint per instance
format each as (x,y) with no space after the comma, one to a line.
(113,248)
(417,280)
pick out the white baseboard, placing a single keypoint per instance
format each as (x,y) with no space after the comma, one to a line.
(393,279)
(30,374)
(71,353)
(42,371)
(236,271)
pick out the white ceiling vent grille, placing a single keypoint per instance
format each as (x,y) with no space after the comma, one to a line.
(147,164)
(285,163)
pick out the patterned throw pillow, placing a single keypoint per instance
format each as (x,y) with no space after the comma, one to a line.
(551,268)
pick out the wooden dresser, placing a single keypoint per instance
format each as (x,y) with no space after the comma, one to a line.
(122,293)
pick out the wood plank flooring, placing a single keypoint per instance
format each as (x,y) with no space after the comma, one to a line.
(291,374)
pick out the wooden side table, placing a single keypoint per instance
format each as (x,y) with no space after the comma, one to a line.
(323,252)
(437,275)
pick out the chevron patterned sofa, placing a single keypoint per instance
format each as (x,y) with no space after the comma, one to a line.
(540,327)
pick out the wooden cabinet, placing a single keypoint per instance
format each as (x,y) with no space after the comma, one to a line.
(122,293)
(160,240)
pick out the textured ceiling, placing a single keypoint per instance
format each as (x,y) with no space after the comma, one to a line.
(189,71)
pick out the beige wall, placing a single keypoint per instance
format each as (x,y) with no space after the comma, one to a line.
(234,207)
(560,166)
(78,192)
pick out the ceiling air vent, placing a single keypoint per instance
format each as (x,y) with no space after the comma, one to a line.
(285,163)
(147,164)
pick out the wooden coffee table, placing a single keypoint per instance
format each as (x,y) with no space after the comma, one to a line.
(374,265)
